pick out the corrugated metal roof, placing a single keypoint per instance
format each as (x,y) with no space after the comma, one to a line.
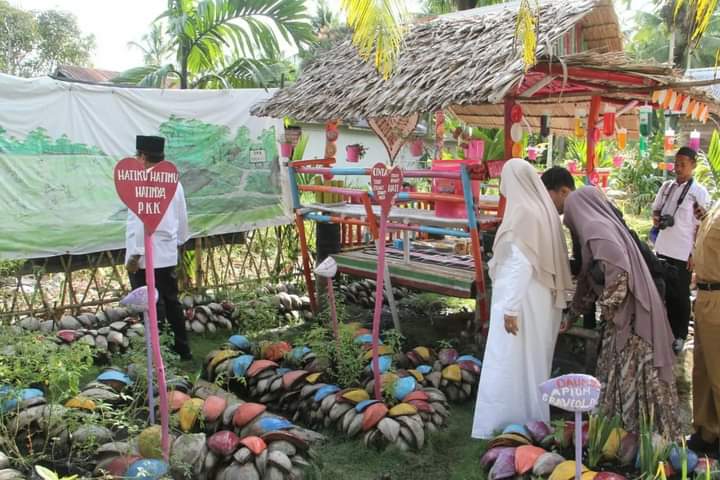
(84,74)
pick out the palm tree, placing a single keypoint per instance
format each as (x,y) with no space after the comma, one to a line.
(155,46)
(226,43)
(438,7)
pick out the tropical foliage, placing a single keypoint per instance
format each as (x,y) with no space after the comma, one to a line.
(708,170)
(226,43)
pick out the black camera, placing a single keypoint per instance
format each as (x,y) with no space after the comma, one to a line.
(666,221)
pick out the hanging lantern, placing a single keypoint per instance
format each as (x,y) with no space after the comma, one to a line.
(517,150)
(618,161)
(685,105)
(572,167)
(609,121)
(696,111)
(516,132)
(516,113)
(645,116)
(621,137)
(669,141)
(694,140)
(579,123)
(545,124)
(661,165)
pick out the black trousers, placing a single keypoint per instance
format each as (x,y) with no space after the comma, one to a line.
(677,297)
(168,306)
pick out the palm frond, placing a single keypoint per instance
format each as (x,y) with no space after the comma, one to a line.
(525,31)
(146,76)
(377,30)
(703,11)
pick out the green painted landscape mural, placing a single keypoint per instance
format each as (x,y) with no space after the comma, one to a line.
(57,196)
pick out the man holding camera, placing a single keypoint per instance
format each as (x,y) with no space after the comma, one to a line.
(675,225)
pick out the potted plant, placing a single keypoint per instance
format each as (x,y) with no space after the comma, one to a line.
(292,132)
(355,152)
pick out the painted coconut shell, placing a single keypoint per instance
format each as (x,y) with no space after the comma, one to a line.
(313,377)
(382,350)
(240,342)
(148,468)
(255,444)
(292,377)
(566,471)
(241,364)
(270,424)
(372,415)
(417,395)
(363,338)
(546,464)
(118,466)
(490,456)
(424,369)
(361,406)
(452,373)
(517,429)
(470,367)
(676,459)
(149,442)
(509,440)
(422,406)
(81,403)
(220,357)
(469,358)
(246,413)
(213,408)
(177,399)
(448,356)
(324,391)
(259,366)
(285,436)
(629,447)
(504,466)
(223,443)
(538,430)
(402,409)
(422,352)
(189,413)
(609,476)
(403,387)
(525,458)
(276,351)
(355,395)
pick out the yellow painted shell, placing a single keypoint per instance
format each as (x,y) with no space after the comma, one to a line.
(452,373)
(402,409)
(356,395)
(313,377)
(423,352)
(566,471)
(388,379)
(189,413)
(382,350)
(221,357)
(418,376)
(82,403)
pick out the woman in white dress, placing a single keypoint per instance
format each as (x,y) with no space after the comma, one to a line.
(530,277)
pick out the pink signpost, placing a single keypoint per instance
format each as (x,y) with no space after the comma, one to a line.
(577,393)
(385,184)
(148,193)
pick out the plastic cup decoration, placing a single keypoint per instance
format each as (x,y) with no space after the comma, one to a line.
(609,121)
(517,150)
(286,149)
(621,137)
(532,153)
(670,166)
(618,161)
(572,167)
(476,150)
(643,144)
(645,115)
(579,123)
(669,142)
(694,140)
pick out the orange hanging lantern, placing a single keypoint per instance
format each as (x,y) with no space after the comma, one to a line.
(678,103)
(517,150)
(621,138)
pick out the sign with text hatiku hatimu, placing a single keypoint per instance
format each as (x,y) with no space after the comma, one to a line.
(59,143)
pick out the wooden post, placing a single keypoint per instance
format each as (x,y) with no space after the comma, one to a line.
(509,104)
(198,264)
(595,105)
(300,224)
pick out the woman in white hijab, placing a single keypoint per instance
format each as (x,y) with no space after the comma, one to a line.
(530,276)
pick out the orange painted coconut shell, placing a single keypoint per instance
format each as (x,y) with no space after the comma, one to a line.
(177,399)
(372,415)
(255,444)
(276,351)
(247,412)
(525,458)
(213,408)
(259,366)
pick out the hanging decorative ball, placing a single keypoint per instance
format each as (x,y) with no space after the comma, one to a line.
(516,132)
(516,113)
(679,103)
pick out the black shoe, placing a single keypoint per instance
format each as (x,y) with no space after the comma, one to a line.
(698,445)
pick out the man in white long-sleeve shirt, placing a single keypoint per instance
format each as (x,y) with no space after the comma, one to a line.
(169,235)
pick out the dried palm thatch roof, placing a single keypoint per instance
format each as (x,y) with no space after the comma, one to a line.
(467,58)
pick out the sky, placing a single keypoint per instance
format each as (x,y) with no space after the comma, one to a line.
(114,24)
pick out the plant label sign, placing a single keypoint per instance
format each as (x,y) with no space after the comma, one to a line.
(257,156)
(146,192)
(385,184)
(573,392)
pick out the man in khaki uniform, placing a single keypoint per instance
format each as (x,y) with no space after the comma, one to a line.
(706,370)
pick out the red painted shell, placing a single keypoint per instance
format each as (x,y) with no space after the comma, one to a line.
(421,406)
(277,351)
(224,443)
(260,366)
(290,378)
(417,395)
(372,415)
(119,465)
(470,366)
(255,444)
(68,336)
(247,412)
(213,408)
(177,399)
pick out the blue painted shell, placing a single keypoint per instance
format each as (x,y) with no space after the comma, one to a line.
(240,342)
(424,369)
(469,358)
(271,424)
(114,376)
(323,392)
(403,387)
(241,364)
(361,406)
(149,468)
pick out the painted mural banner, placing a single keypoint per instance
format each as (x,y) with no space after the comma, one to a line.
(59,143)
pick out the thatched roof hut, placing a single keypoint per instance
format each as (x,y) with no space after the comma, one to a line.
(467,62)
